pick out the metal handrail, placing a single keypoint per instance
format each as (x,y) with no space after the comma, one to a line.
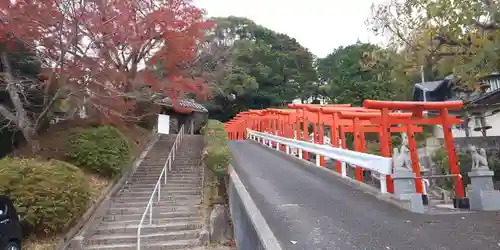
(382,165)
(166,167)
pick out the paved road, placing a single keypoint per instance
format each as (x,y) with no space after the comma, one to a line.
(320,213)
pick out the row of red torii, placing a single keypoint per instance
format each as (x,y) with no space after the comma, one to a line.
(382,117)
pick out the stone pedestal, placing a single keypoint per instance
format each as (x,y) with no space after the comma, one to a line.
(404,190)
(482,195)
(404,184)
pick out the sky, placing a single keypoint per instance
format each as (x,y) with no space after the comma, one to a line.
(319,25)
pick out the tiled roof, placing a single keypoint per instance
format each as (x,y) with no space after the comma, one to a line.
(430,86)
(186,103)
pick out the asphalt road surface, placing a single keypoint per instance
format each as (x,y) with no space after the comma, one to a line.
(317,213)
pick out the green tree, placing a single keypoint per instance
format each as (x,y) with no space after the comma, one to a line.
(445,37)
(357,72)
(459,37)
(263,68)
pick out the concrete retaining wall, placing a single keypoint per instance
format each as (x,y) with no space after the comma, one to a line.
(244,232)
(251,230)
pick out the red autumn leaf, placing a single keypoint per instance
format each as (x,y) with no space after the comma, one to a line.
(98,49)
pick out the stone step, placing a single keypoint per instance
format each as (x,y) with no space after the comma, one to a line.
(164,190)
(140,210)
(145,198)
(146,239)
(169,187)
(145,229)
(156,220)
(156,178)
(194,171)
(152,164)
(130,185)
(158,169)
(156,214)
(161,203)
(180,174)
(163,245)
(149,170)
(155,158)
(174,181)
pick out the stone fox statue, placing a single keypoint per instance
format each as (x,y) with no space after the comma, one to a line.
(401,159)
(478,159)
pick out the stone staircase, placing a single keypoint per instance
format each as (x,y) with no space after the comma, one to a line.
(176,217)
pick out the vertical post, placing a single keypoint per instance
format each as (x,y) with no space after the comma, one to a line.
(316,138)
(385,143)
(306,133)
(315,124)
(286,132)
(412,144)
(257,125)
(362,148)
(383,184)
(298,131)
(335,139)
(452,154)
(343,169)
(192,126)
(357,145)
(139,238)
(273,128)
(321,136)
(343,141)
(343,144)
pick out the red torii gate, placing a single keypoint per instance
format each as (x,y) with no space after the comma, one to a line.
(360,121)
(375,118)
(307,114)
(418,108)
(321,115)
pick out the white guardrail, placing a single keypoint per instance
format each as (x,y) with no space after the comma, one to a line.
(157,190)
(379,164)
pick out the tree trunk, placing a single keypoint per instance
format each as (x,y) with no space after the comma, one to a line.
(20,118)
(31,137)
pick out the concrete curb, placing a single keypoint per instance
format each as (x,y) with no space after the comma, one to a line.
(266,235)
(74,237)
(332,175)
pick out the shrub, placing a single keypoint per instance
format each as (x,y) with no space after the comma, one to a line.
(440,158)
(48,195)
(103,150)
(217,155)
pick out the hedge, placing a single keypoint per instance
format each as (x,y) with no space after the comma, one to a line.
(102,150)
(217,155)
(49,195)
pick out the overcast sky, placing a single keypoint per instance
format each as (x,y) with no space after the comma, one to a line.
(320,25)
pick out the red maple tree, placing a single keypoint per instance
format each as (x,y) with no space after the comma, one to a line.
(94,50)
